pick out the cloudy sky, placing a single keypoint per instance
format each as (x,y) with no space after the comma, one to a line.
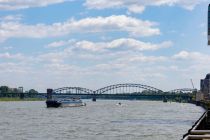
(95,43)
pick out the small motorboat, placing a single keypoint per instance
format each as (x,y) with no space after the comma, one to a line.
(120,104)
(73,102)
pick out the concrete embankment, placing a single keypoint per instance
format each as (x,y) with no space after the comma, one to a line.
(201,129)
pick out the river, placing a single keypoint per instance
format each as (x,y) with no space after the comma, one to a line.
(101,120)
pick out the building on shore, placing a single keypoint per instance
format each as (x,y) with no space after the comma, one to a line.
(204,92)
(199,96)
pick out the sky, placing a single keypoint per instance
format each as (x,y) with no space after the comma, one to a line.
(96,43)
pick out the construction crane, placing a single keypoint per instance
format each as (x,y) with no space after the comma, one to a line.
(192,83)
(194,89)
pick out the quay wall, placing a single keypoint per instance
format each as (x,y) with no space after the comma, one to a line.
(200,128)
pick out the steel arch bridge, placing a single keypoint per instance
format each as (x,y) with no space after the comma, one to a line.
(127,88)
(73,90)
(183,90)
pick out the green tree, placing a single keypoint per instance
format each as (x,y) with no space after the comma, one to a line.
(32,93)
(4,89)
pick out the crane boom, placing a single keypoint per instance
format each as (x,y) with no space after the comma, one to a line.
(192,83)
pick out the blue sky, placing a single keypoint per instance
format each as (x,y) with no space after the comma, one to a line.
(55,43)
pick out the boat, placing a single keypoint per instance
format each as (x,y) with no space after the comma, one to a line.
(73,102)
(165,100)
(119,104)
(94,99)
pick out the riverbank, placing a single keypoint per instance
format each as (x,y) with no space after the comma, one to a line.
(4,99)
(201,128)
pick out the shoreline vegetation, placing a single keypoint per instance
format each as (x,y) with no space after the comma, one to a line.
(7,99)
(17,94)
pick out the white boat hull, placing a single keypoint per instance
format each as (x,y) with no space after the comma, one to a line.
(72,105)
(65,103)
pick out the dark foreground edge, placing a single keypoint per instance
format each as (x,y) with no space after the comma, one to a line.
(201,129)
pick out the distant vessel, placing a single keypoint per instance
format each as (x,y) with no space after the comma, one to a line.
(94,99)
(119,104)
(165,100)
(74,102)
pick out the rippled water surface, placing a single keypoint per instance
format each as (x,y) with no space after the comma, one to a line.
(101,120)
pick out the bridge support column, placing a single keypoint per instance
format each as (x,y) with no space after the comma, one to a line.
(94,97)
(21,95)
(49,94)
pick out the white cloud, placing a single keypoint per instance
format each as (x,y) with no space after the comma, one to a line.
(56,44)
(24,4)
(116,55)
(5,48)
(138,6)
(11,18)
(192,56)
(133,26)
(10,67)
(138,45)
(182,55)
(11,56)
(117,44)
(100,57)
(126,66)
(61,43)
(59,68)
(53,57)
(91,46)
(147,59)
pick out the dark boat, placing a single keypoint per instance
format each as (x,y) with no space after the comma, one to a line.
(94,99)
(74,102)
(53,103)
(165,100)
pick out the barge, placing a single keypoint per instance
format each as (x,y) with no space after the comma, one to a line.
(65,103)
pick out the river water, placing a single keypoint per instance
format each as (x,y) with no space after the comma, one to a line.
(101,120)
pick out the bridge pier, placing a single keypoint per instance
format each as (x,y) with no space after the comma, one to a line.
(49,94)
(94,99)
(22,95)
(94,96)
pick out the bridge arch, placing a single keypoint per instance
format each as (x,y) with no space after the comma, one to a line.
(72,90)
(127,88)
